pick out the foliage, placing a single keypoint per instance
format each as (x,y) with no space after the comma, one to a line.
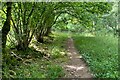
(101,54)
(21,20)
(87,16)
(30,37)
(25,20)
(2,15)
(54,71)
(35,64)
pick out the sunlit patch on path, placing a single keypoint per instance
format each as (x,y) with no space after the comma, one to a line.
(75,67)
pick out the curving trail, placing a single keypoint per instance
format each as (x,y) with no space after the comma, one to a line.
(76,66)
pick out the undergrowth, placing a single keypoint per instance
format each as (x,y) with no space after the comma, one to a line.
(40,60)
(101,54)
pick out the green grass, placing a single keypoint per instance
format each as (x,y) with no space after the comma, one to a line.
(37,66)
(54,71)
(39,69)
(57,48)
(101,54)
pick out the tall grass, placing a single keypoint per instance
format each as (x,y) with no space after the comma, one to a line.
(101,54)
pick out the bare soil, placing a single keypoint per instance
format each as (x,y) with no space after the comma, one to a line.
(76,67)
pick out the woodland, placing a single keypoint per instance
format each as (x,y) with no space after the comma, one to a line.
(37,39)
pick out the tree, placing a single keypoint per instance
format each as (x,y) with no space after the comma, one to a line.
(22,25)
(87,13)
(47,21)
(6,26)
(37,19)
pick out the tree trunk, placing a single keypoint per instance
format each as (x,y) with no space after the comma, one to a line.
(22,46)
(48,31)
(40,39)
(6,26)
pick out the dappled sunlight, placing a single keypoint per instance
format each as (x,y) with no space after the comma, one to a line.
(37,48)
(69,53)
(74,53)
(62,53)
(89,35)
(78,38)
(77,68)
(79,57)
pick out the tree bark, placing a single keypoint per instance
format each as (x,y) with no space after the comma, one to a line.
(40,39)
(48,31)
(6,26)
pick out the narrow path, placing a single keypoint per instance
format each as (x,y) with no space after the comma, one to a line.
(75,67)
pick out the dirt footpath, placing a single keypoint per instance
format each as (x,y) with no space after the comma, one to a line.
(76,66)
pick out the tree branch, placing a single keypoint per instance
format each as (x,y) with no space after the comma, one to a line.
(30,14)
(15,27)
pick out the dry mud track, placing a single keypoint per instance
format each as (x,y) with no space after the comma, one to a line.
(76,66)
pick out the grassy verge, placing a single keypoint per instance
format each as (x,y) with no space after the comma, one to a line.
(37,65)
(101,54)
